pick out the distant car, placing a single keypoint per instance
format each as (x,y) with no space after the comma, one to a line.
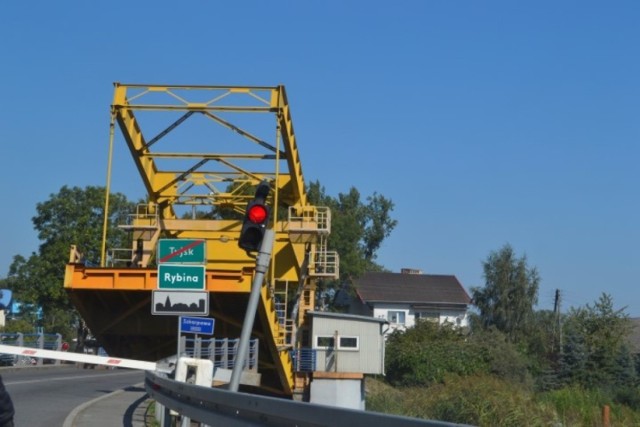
(7,359)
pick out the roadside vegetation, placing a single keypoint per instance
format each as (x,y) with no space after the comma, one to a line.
(72,216)
(515,366)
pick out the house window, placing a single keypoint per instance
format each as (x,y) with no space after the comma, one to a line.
(348,343)
(396,317)
(325,341)
(428,316)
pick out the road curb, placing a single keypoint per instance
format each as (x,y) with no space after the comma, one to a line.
(71,418)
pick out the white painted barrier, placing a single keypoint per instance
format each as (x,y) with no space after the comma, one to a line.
(78,357)
(203,370)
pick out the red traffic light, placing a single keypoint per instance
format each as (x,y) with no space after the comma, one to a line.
(257,214)
(256,219)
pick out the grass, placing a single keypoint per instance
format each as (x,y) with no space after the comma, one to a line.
(150,414)
(484,400)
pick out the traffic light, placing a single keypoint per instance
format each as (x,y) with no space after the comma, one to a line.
(256,219)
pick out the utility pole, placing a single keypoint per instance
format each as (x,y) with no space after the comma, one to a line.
(558,319)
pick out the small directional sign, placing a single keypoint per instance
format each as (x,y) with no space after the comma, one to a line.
(178,276)
(182,251)
(196,325)
(178,303)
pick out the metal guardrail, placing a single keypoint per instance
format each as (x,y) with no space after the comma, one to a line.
(220,407)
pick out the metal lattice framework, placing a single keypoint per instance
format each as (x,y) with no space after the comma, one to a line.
(198,180)
(200,151)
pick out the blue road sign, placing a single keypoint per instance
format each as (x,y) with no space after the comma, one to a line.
(5,298)
(196,325)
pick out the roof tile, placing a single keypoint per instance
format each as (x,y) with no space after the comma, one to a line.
(413,288)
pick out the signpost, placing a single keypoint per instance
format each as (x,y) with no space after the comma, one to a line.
(181,276)
(178,303)
(182,284)
(196,325)
(182,251)
(182,279)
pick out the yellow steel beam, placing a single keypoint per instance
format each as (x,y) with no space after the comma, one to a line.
(79,277)
(180,172)
(161,184)
(285,122)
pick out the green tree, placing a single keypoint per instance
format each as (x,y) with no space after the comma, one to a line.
(510,292)
(595,351)
(18,325)
(358,229)
(542,345)
(72,216)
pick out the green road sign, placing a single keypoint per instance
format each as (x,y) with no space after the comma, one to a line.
(178,276)
(182,251)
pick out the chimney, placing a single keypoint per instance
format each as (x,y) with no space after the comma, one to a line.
(410,271)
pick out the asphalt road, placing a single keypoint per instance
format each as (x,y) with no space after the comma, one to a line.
(43,397)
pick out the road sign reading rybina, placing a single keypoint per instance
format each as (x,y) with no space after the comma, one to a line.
(178,276)
(182,251)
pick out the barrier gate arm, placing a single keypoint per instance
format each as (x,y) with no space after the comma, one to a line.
(78,357)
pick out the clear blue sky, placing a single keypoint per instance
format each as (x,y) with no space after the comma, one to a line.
(485,122)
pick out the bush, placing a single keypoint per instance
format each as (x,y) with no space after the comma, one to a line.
(577,406)
(487,401)
(502,357)
(628,396)
(18,325)
(478,400)
(426,353)
(381,397)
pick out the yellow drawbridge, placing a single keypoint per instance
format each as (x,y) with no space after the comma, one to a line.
(200,151)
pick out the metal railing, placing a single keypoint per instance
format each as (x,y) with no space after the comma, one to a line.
(314,219)
(144,218)
(324,263)
(220,407)
(119,257)
(222,351)
(40,341)
(304,359)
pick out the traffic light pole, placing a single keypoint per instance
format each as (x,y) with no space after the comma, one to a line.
(262,264)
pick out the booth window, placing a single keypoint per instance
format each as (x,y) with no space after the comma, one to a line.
(325,341)
(348,343)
